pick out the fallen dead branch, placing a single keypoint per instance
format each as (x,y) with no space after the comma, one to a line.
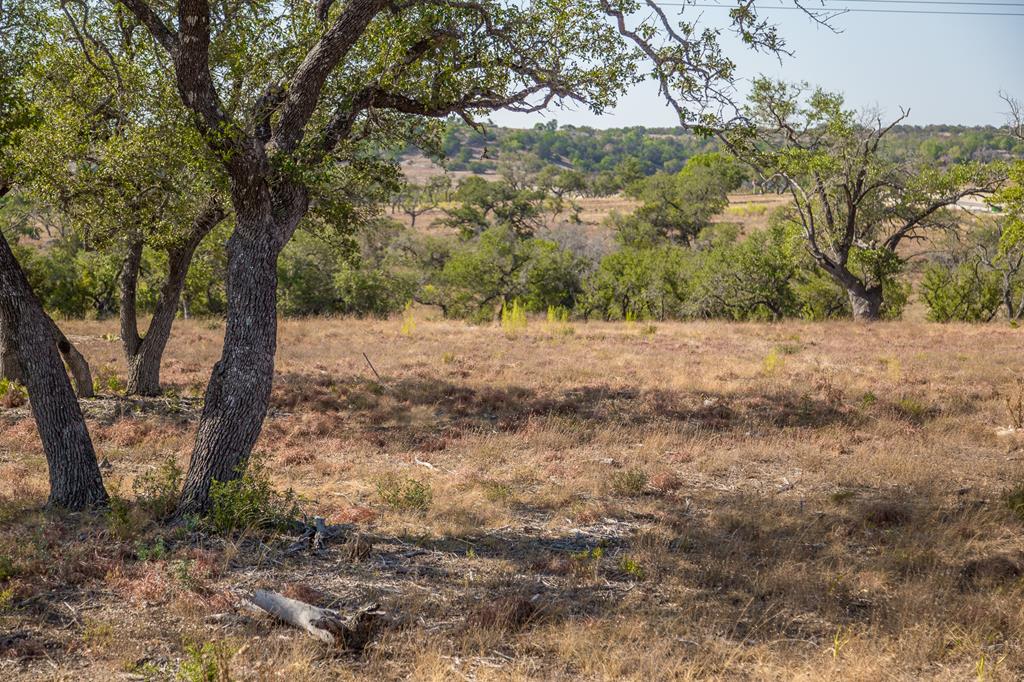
(328,626)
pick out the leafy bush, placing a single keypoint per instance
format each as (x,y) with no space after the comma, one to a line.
(405,494)
(157,491)
(964,293)
(251,502)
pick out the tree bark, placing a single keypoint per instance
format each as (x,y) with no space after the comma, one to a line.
(75,481)
(238,394)
(10,367)
(866,302)
(144,354)
(74,360)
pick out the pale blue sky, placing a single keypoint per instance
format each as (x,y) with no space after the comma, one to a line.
(945,68)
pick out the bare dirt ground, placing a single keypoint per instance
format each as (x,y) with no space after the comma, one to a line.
(596,501)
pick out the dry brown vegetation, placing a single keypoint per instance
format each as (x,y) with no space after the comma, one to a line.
(595,501)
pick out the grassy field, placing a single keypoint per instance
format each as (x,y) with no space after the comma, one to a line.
(584,501)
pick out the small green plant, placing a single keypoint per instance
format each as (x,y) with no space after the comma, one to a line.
(121,521)
(106,379)
(839,642)
(404,494)
(629,482)
(206,663)
(408,321)
(513,317)
(649,330)
(495,491)
(251,502)
(773,362)
(6,599)
(912,409)
(447,358)
(1014,499)
(181,572)
(868,399)
(558,314)
(632,568)
(12,394)
(586,562)
(842,496)
(157,491)
(7,568)
(153,551)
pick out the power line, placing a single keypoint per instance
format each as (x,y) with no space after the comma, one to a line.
(813,4)
(844,10)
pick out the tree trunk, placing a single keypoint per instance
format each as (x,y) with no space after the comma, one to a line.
(75,481)
(10,367)
(866,302)
(238,394)
(145,354)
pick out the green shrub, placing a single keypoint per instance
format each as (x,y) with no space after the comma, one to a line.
(404,494)
(629,482)
(251,502)
(157,491)
(966,293)
(207,663)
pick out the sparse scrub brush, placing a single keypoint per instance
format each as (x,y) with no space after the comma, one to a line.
(513,317)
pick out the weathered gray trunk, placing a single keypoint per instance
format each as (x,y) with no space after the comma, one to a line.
(238,394)
(144,354)
(866,302)
(75,481)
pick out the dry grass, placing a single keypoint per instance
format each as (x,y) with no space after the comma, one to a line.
(750,211)
(608,504)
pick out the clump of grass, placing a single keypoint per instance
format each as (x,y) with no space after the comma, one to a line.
(251,502)
(496,491)
(558,314)
(842,496)
(447,358)
(12,394)
(649,330)
(788,348)
(1015,405)
(513,317)
(630,482)
(912,409)
(1014,499)
(868,399)
(405,494)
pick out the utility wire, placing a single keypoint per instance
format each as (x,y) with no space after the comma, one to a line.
(814,4)
(845,10)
